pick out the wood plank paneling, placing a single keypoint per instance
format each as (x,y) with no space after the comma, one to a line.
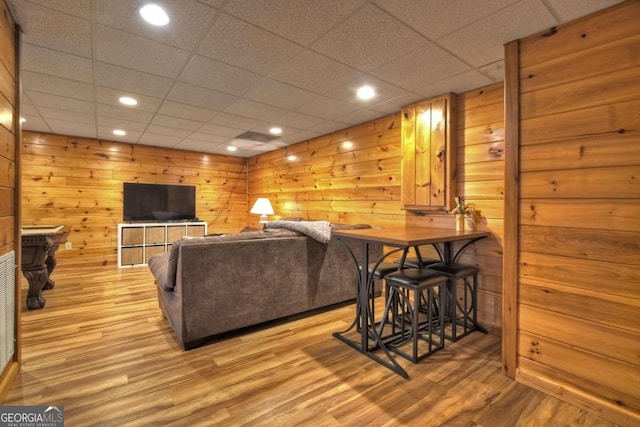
(10,187)
(363,183)
(578,282)
(84,180)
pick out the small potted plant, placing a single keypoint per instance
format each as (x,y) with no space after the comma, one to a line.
(464,212)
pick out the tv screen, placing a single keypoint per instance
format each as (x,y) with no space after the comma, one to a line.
(159,202)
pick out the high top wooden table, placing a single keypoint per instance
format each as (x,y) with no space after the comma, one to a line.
(400,238)
(39,244)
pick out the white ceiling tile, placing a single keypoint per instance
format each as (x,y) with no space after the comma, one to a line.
(161,130)
(79,8)
(300,21)
(69,116)
(298,120)
(105,95)
(213,3)
(200,97)
(106,133)
(159,140)
(49,28)
(457,84)
(184,111)
(61,102)
(327,108)
(273,92)
(441,17)
(115,123)
(482,43)
(360,116)
(394,105)
(219,130)
(246,46)
(29,110)
(384,91)
(58,64)
(419,68)
(112,76)
(131,51)
(175,122)
(361,39)
(188,20)
(233,121)
(304,135)
(245,107)
(125,113)
(35,123)
(569,10)
(56,86)
(202,146)
(327,127)
(314,72)
(208,138)
(215,75)
(494,70)
(63,127)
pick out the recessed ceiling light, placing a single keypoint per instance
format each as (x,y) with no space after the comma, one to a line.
(347,144)
(275,130)
(127,100)
(232,148)
(366,92)
(291,157)
(119,132)
(154,14)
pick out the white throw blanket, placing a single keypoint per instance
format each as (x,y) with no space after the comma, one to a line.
(317,230)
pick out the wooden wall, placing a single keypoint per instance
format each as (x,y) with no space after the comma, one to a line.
(579,226)
(362,184)
(78,181)
(329,182)
(9,169)
(480,179)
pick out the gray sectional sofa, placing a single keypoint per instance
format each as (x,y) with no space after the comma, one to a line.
(210,285)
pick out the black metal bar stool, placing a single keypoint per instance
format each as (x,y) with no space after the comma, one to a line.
(413,310)
(461,314)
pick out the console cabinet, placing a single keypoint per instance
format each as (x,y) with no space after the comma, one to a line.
(138,242)
(428,154)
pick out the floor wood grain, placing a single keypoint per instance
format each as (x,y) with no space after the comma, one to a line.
(101,348)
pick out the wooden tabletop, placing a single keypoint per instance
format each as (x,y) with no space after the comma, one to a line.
(409,236)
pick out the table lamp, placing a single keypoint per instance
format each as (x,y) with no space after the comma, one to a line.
(262,207)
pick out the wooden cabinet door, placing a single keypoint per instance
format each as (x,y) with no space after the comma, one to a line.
(428,158)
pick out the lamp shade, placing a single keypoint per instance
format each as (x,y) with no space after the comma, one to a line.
(262,207)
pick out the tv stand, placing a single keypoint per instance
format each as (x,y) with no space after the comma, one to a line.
(137,242)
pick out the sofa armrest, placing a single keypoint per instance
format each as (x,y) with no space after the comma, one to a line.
(159,265)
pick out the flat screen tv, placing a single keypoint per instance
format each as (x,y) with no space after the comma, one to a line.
(159,202)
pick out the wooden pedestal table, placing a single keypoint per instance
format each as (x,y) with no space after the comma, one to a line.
(39,244)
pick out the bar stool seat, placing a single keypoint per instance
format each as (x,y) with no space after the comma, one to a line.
(413,311)
(383,269)
(461,314)
(414,262)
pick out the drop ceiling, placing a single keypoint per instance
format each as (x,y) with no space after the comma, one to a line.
(221,68)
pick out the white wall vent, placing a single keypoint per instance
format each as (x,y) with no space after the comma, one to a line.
(8,307)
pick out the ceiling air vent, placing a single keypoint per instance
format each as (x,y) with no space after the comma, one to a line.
(257,136)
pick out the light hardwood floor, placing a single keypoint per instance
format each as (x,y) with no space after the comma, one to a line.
(101,348)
